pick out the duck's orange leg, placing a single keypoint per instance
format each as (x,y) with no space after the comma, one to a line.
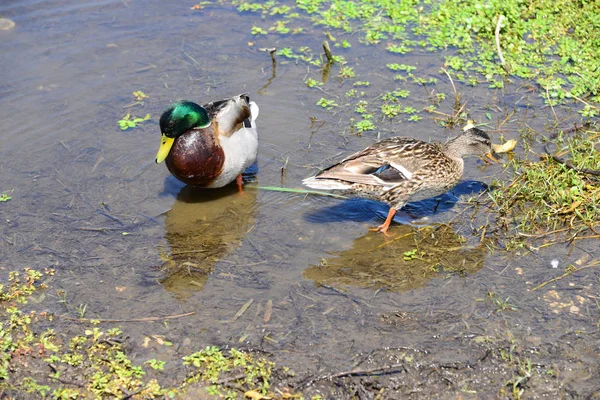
(384,227)
(238,181)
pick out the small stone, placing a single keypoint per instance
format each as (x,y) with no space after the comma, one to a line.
(6,24)
(554,263)
(574,310)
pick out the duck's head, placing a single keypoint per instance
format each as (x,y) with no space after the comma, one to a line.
(471,141)
(179,118)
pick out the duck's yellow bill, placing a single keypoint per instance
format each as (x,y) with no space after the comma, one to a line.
(165,147)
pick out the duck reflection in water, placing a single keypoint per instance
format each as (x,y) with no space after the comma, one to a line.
(202,228)
(362,210)
(410,258)
(405,262)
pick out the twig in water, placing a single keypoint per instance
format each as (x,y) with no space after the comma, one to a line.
(328,54)
(271,51)
(354,372)
(241,311)
(498,26)
(451,81)
(340,293)
(457,107)
(146,319)
(284,169)
(328,64)
(551,106)
(313,121)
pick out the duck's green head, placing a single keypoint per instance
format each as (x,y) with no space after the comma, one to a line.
(179,118)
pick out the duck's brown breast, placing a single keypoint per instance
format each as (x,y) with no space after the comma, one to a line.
(196,158)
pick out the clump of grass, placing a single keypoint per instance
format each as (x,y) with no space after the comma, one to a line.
(558,192)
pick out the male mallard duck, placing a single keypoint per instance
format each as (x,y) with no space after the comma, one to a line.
(209,145)
(400,169)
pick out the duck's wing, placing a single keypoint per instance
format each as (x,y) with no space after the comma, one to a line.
(232,114)
(387,163)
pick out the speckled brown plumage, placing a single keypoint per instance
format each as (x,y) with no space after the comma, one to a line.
(402,169)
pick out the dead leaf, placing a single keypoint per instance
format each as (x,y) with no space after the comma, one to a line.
(268,311)
(509,145)
(569,210)
(287,393)
(583,259)
(254,394)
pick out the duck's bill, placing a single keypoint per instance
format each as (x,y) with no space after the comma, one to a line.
(165,146)
(491,157)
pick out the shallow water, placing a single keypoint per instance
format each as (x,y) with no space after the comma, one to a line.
(130,241)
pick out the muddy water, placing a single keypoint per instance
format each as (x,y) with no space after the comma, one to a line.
(129,241)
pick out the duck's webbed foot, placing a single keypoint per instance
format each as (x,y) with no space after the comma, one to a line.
(383,228)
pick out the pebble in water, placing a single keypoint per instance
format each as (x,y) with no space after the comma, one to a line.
(6,24)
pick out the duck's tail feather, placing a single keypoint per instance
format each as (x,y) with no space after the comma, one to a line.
(326,184)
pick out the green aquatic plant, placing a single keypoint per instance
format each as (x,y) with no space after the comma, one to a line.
(401,67)
(325,103)
(551,43)
(139,95)
(365,125)
(210,363)
(256,30)
(130,121)
(280,27)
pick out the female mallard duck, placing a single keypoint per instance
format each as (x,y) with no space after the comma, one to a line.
(210,145)
(400,169)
